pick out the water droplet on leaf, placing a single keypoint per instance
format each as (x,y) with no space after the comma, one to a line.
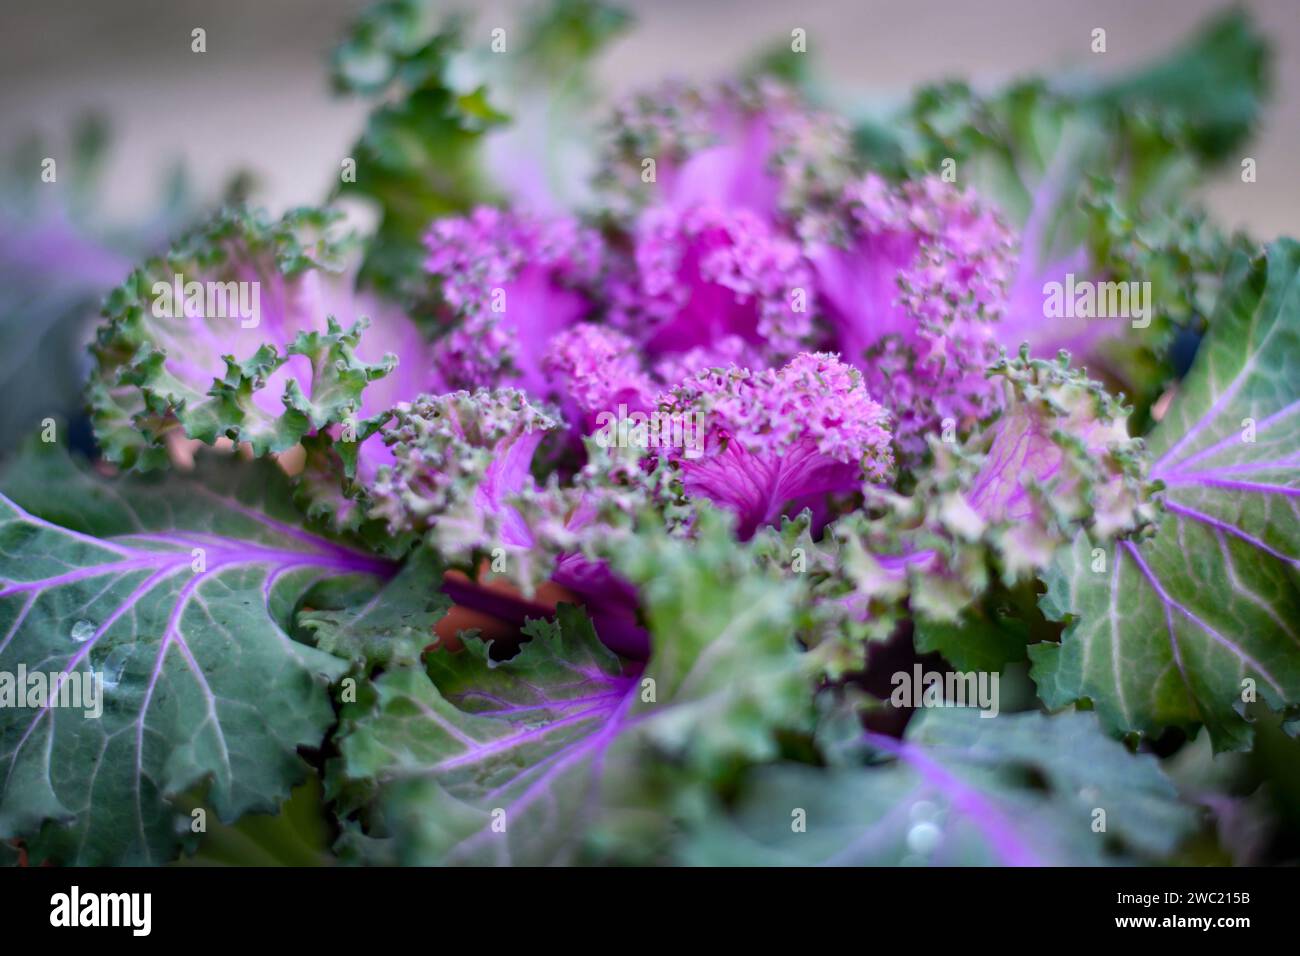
(923,837)
(114,664)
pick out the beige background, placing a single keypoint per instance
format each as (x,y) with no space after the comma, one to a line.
(258,97)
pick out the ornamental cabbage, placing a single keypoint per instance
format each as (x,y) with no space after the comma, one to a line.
(637,519)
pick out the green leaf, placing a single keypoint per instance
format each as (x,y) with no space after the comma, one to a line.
(563,752)
(981,641)
(1056,458)
(297,835)
(1183,628)
(562,36)
(1018,789)
(1155,128)
(158,369)
(420,154)
(1100,177)
(473,742)
(1209,89)
(393,626)
(853,600)
(178,594)
(723,643)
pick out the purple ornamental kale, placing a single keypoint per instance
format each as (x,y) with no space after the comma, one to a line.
(1038,264)
(457,460)
(753,146)
(250,329)
(594,369)
(911,282)
(513,282)
(776,441)
(461,471)
(714,281)
(1060,455)
(716,274)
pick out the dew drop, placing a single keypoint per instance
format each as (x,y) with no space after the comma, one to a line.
(923,838)
(114,664)
(83,631)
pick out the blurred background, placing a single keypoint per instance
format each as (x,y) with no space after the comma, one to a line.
(259,99)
